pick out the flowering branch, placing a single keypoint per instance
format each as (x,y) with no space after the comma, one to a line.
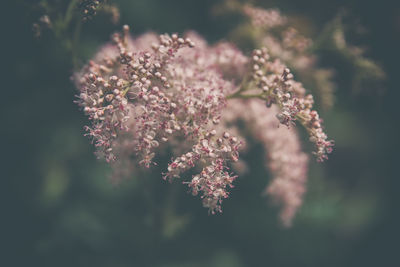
(149,93)
(275,85)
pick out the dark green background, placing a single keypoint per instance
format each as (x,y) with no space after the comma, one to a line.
(59,209)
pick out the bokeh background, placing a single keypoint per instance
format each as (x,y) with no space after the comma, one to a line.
(60,209)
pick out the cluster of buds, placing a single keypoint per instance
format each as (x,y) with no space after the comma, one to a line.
(104,102)
(213,181)
(276,85)
(89,7)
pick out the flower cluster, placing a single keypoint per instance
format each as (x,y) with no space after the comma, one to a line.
(147,94)
(274,83)
(108,90)
(103,100)
(273,31)
(157,95)
(214,178)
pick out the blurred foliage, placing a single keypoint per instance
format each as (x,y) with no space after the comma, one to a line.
(366,74)
(61,209)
